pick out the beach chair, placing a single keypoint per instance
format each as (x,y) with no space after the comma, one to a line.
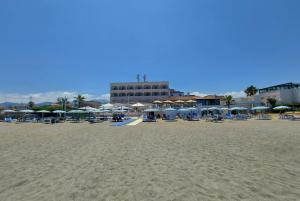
(295,118)
(264,117)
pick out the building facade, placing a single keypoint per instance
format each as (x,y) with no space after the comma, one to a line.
(288,93)
(144,92)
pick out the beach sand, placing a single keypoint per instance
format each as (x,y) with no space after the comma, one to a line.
(235,160)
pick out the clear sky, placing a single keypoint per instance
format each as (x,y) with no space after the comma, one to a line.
(207,46)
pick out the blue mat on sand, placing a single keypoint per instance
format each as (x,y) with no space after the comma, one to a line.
(123,122)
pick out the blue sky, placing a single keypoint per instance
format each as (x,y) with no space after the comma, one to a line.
(200,46)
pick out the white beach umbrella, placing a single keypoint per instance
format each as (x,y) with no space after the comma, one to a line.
(179,101)
(239,108)
(138,105)
(8,111)
(170,109)
(157,102)
(107,106)
(282,107)
(104,111)
(43,111)
(260,108)
(26,111)
(213,108)
(59,111)
(76,111)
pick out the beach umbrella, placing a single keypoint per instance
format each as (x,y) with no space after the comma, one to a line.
(170,109)
(260,108)
(107,106)
(26,111)
(8,111)
(191,101)
(224,108)
(59,111)
(157,102)
(179,101)
(213,108)
(138,105)
(239,108)
(76,111)
(168,102)
(43,111)
(282,107)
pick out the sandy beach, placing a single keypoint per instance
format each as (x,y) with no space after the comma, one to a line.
(235,160)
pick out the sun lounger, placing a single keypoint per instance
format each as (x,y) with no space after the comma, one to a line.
(264,117)
(295,118)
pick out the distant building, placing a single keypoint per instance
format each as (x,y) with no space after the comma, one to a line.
(287,93)
(132,92)
(206,101)
(176,93)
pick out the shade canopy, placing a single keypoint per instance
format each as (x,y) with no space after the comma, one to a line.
(59,111)
(260,108)
(138,105)
(43,111)
(26,111)
(282,107)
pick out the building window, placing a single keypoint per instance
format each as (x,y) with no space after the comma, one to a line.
(147,94)
(139,94)
(147,87)
(155,87)
(139,87)
(164,87)
(114,88)
(164,93)
(130,87)
(155,94)
(130,94)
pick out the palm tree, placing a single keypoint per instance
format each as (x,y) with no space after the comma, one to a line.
(80,100)
(250,91)
(228,100)
(63,101)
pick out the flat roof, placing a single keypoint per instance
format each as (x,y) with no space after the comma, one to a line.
(154,82)
(291,84)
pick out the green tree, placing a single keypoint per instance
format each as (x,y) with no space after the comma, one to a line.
(30,104)
(228,100)
(80,100)
(63,101)
(272,101)
(250,91)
